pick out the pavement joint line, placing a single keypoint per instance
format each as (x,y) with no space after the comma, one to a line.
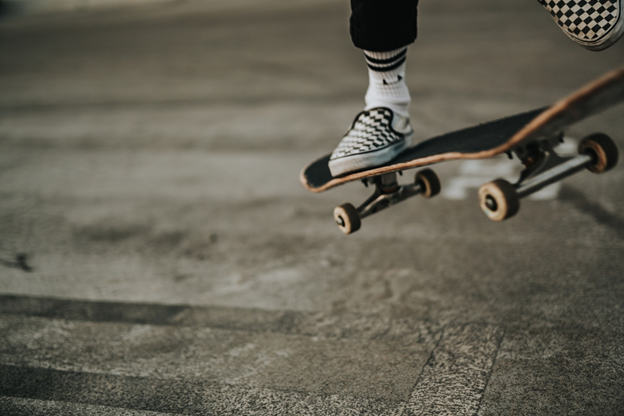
(313,324)
(196,397)
(491,370)
(18,406)
(244,101)
(455,376)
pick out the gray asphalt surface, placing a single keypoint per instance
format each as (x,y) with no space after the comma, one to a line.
(159,256)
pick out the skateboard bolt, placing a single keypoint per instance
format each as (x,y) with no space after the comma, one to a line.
(490,203)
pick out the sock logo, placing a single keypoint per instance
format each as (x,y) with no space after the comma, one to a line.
(399,79)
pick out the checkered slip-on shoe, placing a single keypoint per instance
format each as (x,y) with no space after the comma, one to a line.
(593,24)
(376,137)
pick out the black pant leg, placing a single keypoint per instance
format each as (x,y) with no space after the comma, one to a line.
(383,25)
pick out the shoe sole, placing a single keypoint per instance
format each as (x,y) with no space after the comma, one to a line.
(608,39)
(371,159)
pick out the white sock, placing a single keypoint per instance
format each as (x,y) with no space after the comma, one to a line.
(387,87)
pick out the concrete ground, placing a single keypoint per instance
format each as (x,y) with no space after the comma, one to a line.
(159,256)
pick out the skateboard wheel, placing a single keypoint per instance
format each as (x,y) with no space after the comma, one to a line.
(603,149)
(347,218)
(498,200)
(429,181)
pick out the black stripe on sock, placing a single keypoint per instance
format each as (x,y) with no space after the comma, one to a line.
(385,61)
(387,68)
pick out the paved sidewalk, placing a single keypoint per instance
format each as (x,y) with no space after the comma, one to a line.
(159,256)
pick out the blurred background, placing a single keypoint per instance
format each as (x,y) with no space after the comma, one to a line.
(159,255)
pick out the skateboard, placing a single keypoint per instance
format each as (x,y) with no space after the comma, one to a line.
(530,136)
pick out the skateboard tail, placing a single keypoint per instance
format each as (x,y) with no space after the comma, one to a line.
(592,99)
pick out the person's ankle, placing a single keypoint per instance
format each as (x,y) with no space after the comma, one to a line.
(387,86)
(399,109)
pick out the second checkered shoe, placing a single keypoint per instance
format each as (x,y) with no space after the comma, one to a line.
(593,24)
(376,136)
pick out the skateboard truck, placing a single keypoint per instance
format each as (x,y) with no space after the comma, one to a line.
(387,192)
(500,199)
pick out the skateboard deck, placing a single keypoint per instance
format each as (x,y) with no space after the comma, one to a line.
(485,140)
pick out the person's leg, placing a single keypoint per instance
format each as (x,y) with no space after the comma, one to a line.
(593,24)
(382,29)
(383,25)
